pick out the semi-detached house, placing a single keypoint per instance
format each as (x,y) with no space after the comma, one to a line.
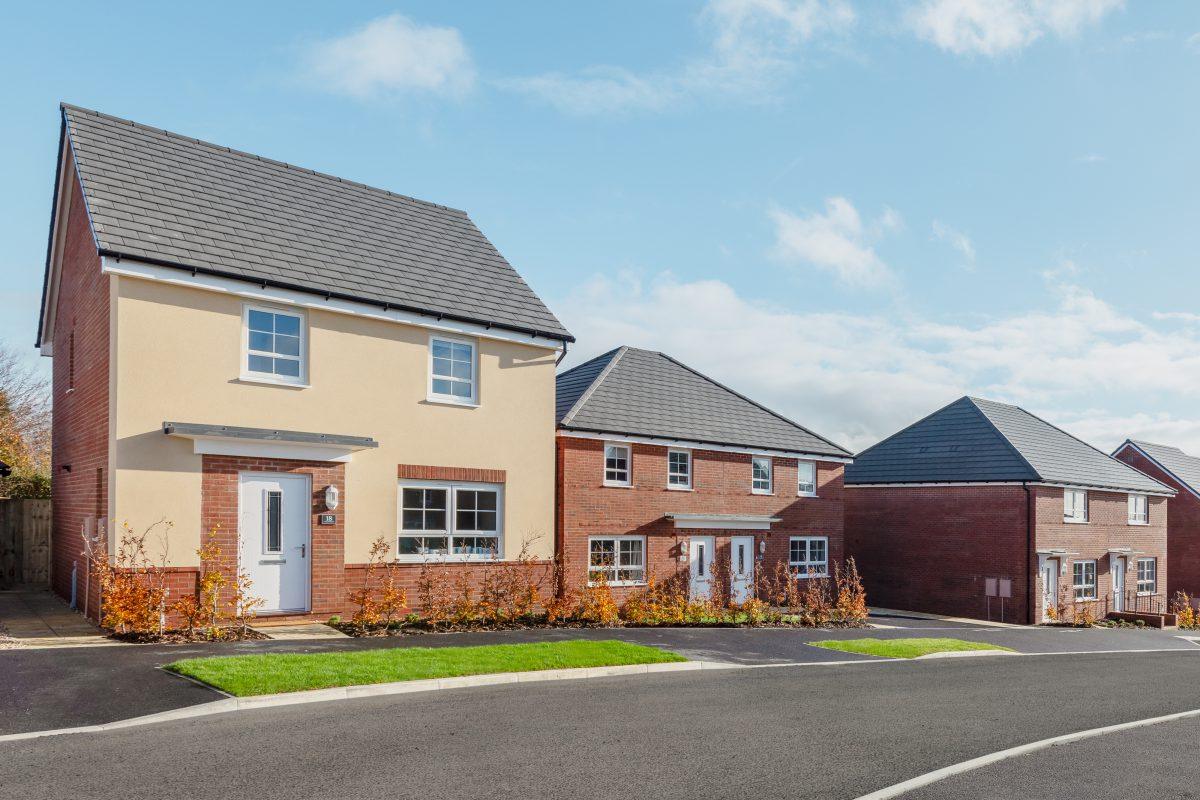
(984,510)
(299,362)
(662,471)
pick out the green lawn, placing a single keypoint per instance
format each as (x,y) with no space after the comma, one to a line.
(905,648)
(270,673)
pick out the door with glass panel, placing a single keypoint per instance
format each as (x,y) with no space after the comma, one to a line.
(700,561)
(741,568)
(1117,568)
(273,529)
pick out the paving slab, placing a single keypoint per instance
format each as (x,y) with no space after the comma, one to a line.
(35,617)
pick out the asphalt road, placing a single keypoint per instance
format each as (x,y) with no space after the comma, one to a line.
(795,732)
(69,687)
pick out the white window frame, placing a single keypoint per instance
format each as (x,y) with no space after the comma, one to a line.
(686,484)
(1136,518)
(807,563)
(628,464)
(616,540)
(436,397)
(1153,581)
(451,531)
(1075,518)
(1076,586)
(799,490)
(754,488)
(246,374)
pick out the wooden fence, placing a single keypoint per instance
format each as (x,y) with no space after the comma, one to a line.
(24,542)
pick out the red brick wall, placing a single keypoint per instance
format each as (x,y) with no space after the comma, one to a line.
(219,510)
(1107,527)
(720,485)
(457,575)
(931,548)
(427,473)
(1183,527)
(80,425)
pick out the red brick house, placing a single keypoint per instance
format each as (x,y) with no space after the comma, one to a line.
(661,470)
(1181,472)
(984,510)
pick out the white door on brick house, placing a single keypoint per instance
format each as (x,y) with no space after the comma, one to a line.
(1116,566)
(1049,587)
(700,561)
(741,568)
(274,517)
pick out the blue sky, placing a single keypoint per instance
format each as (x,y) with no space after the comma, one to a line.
(853,211)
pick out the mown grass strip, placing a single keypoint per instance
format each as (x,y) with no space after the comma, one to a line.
(905,648)
(272,673)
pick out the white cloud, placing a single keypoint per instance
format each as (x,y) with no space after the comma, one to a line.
(957,240)
(994,27)
(856,378)
(1193,42)
(393,55)
(836,241)
(752,48)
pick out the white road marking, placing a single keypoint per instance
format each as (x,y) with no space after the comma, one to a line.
(898,789)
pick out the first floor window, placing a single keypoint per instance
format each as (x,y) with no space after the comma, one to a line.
(808,556)
(446,520)
(1139,512)
(1074,505)
(806,482)
(1147,576)
(679,469)
(274,344)
(616,464)
(1085,580)
(452,370)
(761,475)
(619,560)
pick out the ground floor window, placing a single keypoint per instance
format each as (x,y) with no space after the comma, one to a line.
(808,556)
(1147,575)
(1085,580)
(617,560)
(442,520)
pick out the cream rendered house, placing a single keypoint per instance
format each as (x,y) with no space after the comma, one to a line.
(300,362)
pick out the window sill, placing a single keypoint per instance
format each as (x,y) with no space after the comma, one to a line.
(1139,524)
(263,381)
(1145,594)
(608,485)
(446,401)
(762,493)
(1075,522)
(806,494)
(1086,599)
(449,559)
(618,584)
(679,488)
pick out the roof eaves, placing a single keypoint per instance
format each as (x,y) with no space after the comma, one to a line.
(62,138)
(587,393)
(739,445)
(760,406)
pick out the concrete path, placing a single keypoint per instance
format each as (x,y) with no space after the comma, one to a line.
(34,617)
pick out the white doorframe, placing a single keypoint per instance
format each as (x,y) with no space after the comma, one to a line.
(1049,569)
(700,560)
(741,568)
(1117,566)
(283,578)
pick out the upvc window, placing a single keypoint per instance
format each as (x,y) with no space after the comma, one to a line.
(806,478)
(1084,582)
(273,344)
(1147,575)
(679,469)
(760,467)
(617,560)
(446,521)
(808,556)
(452,371)
(1075,505)
(616,465)
(1139,509)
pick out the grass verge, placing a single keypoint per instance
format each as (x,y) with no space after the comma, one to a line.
(905,648)
(271,673)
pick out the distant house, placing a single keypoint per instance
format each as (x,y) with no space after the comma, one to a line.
(662,470)
(1181,472)
(298,362)
(982,509)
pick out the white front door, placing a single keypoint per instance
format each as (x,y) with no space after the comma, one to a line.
(273,531)
(1049,587)
(741,568)
(700,559)
(1117,567)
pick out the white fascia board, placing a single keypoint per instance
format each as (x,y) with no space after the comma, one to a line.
(220,446)
(249,290)
(685,444)
(1110,490)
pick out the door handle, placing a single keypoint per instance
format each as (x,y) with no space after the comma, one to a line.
(303,550)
